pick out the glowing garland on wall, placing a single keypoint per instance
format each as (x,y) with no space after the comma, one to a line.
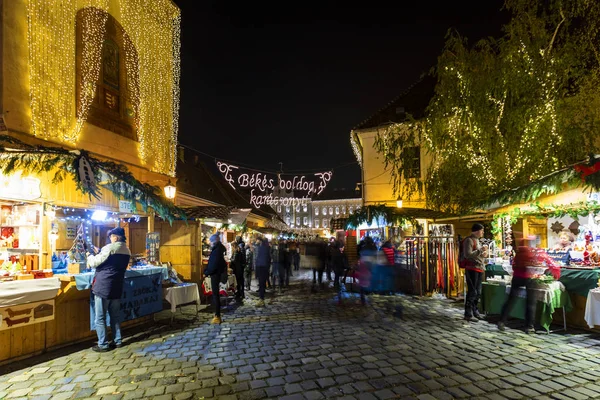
(154,28)
(155,34)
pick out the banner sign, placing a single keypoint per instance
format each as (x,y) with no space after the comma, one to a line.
(142,295)
(263,186)
(152,246)
(126,206)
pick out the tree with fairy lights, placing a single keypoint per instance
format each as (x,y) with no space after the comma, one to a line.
(80,245)
(508,111)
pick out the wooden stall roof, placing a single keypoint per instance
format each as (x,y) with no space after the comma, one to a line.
(220,213)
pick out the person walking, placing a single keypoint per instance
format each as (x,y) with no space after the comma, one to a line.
(322,261)
(366,263)
(107,287)
(474,254)
(328,265)
(215,268)
(287,264)
(339,262)
(238,264)
(522,277)
(296,257)
(263,263)
(278,261)
(249,268)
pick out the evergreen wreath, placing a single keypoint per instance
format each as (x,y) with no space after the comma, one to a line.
(16,155)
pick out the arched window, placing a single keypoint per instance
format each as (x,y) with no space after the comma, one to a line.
(330,210)
(316,210)
(114,106)
(324,210)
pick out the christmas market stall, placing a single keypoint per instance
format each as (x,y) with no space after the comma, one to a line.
(561,211)
(55,204)
(424,252)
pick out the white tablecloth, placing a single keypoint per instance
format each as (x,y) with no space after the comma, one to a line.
(28,291)
(541,293)
(230,285)
(592,308)
(184,293)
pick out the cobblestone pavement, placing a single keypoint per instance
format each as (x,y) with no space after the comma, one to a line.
(310,346)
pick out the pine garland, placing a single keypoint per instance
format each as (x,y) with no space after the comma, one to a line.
(368,214)
(573,210)
(566,178)
(17,155)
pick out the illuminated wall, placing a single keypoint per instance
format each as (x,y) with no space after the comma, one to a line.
(39,76)
(377,183)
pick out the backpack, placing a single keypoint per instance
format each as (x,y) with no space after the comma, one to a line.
(464,262)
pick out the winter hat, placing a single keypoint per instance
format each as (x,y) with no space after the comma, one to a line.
(117,231)
(476,227)
(215,238)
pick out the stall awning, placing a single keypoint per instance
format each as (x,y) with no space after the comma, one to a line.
(217,213)
(237,216)
(266,231)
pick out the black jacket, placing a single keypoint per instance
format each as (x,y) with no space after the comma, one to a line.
(216,261)
(110,266)
(239,261)
(338,261)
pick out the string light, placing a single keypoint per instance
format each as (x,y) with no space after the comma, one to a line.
(152,59)
(356,148)
(93,28)
(155,34)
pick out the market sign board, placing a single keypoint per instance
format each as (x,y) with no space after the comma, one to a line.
(26,314)
(127,207)
(142,295)
(264,186)
(16,187)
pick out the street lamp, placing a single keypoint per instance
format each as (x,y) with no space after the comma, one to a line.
(170,190)
(399,202)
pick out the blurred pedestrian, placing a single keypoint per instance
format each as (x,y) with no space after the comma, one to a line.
(296,256)
(249,268)
(263,263)
(319,268)
(339,262)
(278,264)
(238,264)
(367,260)
(525,259)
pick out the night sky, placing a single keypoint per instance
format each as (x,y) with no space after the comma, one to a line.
(269,82)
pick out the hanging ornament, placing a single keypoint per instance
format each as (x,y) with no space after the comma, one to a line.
(86,176)
(557,227)
(574,227)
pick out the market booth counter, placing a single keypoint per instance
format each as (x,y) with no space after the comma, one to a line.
(550,296)
(41,314)
(577,282)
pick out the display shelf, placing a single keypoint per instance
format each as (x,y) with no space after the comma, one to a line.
(9,249)
(20,226)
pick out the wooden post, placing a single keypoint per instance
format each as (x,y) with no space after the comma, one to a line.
(45,259)
(151,215)
(201,257)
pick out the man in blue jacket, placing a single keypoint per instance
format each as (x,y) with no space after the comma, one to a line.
(216,267)
(263,263)
(107,287)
